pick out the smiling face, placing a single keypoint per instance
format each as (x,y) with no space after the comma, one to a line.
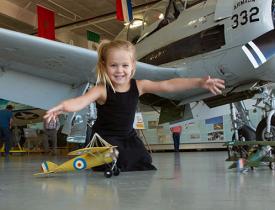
(120,65)
(116,64)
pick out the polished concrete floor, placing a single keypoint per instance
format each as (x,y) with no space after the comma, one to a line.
(184,181)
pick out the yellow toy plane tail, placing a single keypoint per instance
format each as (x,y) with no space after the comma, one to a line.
(47,167)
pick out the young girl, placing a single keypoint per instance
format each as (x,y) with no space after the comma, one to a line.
(116,96)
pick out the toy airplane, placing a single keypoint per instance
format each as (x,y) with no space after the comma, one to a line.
(97,152)
(253,153)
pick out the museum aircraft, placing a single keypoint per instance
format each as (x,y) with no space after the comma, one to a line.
(98,152)
(229,39)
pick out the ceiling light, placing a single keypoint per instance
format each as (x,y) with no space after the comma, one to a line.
(161,16)
(136,23)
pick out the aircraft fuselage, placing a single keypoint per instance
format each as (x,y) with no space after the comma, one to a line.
(208,46)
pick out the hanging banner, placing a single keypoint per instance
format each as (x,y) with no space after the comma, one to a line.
(45,23)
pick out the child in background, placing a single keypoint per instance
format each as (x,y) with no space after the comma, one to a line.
(116,95)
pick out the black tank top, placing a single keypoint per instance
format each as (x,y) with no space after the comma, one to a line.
(116,116)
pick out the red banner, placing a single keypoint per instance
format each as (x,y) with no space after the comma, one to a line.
(119,11)
(45,22)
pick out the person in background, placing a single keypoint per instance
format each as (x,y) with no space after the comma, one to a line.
(176,131)
(50,135)
(5,127)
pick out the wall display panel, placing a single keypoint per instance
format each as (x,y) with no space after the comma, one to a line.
(210,130)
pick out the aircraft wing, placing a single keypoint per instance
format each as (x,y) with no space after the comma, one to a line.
(41,72)
(91,150)
(250,143)
(156,73)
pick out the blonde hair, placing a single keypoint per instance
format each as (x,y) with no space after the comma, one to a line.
(103,49)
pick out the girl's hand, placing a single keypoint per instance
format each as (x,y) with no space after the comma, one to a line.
(214,85)
(53,113)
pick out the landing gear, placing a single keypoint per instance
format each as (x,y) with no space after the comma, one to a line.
(242,126)
(243,130)
(245,133)
(261,132)
(266,128)
(108,173)
(116,171)
(271,165)
(112,170)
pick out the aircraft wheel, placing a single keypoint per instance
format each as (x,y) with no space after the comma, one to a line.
(245,134)
(261,130)
(108,173)
(116,171)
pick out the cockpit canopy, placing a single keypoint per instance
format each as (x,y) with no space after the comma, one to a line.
(153,19)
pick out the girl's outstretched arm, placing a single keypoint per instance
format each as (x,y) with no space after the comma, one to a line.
(214,85)
(76,104)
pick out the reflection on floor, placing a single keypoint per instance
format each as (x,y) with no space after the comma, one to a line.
(187,180)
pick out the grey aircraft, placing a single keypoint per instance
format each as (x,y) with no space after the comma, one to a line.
(230,39)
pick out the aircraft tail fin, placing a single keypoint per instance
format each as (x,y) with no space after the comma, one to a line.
(48,167)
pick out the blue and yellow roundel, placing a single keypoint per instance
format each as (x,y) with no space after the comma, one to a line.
(79,164)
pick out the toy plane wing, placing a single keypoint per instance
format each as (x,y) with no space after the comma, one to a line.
(268,159)
(44,173)
(91,150)
(253,163)
(246,164)
(250,143)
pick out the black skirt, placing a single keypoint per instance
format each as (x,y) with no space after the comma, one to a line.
(133,155)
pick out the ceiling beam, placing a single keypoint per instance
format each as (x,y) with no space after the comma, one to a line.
(23,15)
(102,18)
(18,13)
(15,12)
